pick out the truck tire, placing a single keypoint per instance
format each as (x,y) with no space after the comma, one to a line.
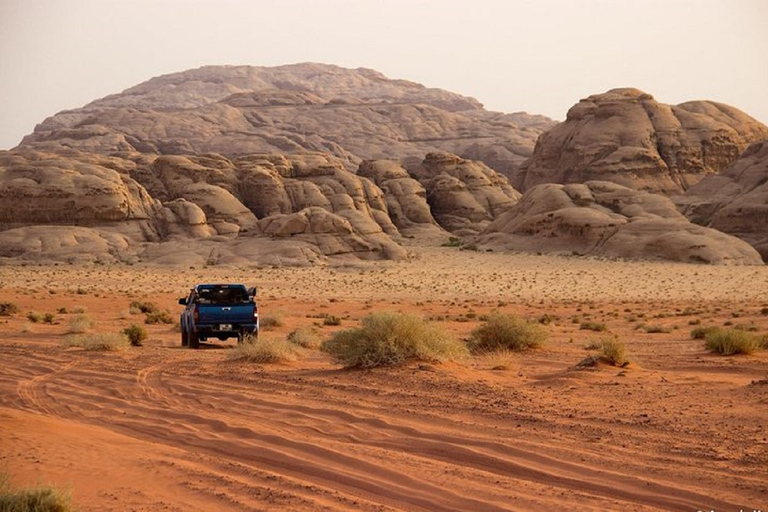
(184,338)
(194,340)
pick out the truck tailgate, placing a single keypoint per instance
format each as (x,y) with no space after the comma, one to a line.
(229,313)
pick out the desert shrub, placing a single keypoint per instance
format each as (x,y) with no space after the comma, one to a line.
(62,311)
(746,327)
(34,317)
(136,334)
(264,350)
(764,311)
(79,310)
(613,351)
(387,339)
(452,242)
(158,317)
(331,320)
(731,341)
(33,499)
(507,332)
(143,307)
(98,341)
(655,329)
(48,318)
(79,324)
(700,333)
(268,322)
(8,309)
(593,326)
(306,337)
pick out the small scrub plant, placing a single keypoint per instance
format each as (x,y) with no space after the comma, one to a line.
(80,323)
(390,339)
(700,333)
(331,320)
(103,341)
(33,499)
(305,337)
(506,332)
(143,307)
(269,322)
(655,329)
(136,334)
(452,242)
(264,349)
(593,326)
(613,351)
(158,317)
(731,341)
(8,309)
(48,318)
(34,317)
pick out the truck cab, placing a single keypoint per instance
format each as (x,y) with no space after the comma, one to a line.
(220,311)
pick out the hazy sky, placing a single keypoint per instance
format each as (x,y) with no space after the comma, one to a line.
(540,56)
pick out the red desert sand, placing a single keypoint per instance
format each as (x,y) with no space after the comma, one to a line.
(162,428)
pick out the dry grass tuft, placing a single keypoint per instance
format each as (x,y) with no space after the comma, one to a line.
(388,339)
(102,341)
(613,351)
(34,499)
(264,349)
(271,321)
(305,337)
(79,324)
(507,332)
(731,341)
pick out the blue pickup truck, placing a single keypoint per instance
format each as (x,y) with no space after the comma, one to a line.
(219,311)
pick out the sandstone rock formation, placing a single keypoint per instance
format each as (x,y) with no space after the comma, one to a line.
(238,110)
(627,137)
(605,219)
(734,201)
(464,195)
(76,206)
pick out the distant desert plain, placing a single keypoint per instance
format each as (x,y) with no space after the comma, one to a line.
(164,428)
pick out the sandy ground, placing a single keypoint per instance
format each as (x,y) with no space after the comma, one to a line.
(164,428)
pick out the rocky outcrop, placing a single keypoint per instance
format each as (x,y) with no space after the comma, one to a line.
(406,198)
(88,206)
(627,137)
(352,114)
(463,195)
(734,201)
(605,219)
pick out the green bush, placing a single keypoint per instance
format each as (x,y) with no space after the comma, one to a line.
(507,332)
(731,341)
(98,341)
(34,317)
(387,339)
(306,337)
(34,499)
(136,334)
(158,317)
(264,350)
(8,309)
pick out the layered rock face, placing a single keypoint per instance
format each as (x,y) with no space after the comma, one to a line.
(237,110)
(627,137)
(734,201)
(605,219)
(464,195)
(92,207)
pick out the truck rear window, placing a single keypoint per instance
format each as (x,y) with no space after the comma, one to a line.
(222,295)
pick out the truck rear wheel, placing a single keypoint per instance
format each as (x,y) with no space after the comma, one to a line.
(194,340)
(184,338)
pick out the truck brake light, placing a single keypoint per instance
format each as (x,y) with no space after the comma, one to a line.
(196,314)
